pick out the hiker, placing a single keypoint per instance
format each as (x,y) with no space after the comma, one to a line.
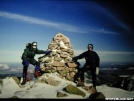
(92,62)
(28,58)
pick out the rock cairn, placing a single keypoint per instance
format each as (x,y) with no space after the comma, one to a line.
(60,59)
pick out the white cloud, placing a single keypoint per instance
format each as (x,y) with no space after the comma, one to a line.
(41,22)
(4,66)
(102,30)
(14,70)
(62,26)
(106,32)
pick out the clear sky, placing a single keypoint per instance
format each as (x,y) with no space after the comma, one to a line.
(104,24)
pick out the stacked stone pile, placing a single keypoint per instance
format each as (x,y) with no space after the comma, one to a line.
(60,59)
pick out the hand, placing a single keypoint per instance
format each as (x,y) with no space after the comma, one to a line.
(74,59)
(47,52)
(26,63)
(97,70)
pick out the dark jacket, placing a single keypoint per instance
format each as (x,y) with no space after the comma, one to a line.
(29,53)
(91,58)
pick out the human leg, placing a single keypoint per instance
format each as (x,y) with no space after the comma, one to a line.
(77,75)
(37,67)
(81,79)
(24,74)
(94,78)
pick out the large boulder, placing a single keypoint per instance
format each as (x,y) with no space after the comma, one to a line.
(74,90)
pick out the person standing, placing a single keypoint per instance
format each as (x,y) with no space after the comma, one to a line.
(92,63)
(28,58)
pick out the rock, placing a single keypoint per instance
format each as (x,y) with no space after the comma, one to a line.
(71,64)
(0,92)
(58,64)
(97,95)
(59,94)
(49,80)
(74,90)
(1,82)
(14,97)
(55,82)
(16,80)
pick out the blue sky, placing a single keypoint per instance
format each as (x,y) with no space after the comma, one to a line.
(83,22)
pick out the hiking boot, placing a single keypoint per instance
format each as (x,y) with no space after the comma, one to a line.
(95,89)
(92,89)
(24,81)
(81,84)
(28,80)
(36,74)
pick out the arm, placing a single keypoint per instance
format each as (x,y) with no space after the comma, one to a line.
(81,56)
(43,52)
(97,60)
(97,63)
(40,51)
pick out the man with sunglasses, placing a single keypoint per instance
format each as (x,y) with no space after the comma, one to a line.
(28,58)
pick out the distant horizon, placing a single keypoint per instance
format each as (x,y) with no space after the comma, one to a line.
(17,68)
(81,62)
(108,68)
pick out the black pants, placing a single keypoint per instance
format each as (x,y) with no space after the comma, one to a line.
(86,68)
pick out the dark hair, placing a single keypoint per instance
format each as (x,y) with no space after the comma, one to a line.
(90,45)
(34,42)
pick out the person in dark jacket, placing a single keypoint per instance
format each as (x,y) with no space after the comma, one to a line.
(28,58)
(92,63)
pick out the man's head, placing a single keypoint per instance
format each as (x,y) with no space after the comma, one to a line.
(34,45)
(90,47)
